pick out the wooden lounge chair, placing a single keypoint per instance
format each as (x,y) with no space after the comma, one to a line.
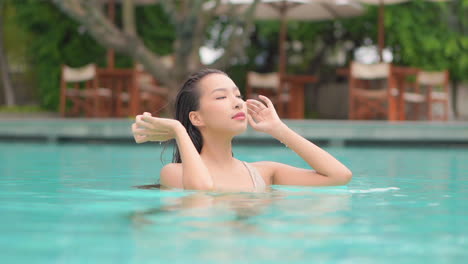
(80,92)
(122,83)
(372,92)
(134,91)
(430,88)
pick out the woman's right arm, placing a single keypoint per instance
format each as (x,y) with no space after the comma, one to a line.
(195,174)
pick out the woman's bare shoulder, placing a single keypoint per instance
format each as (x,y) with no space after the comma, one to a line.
(171,175)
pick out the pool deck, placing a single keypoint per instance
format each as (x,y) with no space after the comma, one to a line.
(327,132)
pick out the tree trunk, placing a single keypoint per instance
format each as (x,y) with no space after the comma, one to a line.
(191,23)
(128,11)
(6,80)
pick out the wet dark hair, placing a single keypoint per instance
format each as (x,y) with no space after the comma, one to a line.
(188,100)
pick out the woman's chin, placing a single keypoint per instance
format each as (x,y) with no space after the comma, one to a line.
(232,129)
(239,129)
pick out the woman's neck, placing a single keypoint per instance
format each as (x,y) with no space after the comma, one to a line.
(217,149)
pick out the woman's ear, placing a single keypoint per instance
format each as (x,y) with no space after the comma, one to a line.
(196,119)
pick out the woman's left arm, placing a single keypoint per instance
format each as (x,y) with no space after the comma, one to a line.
(328,170)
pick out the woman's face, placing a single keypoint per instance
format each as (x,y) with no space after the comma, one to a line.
(221,105)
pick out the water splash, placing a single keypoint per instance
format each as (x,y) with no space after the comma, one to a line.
(372,190)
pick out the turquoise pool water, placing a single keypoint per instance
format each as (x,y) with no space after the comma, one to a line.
(76,204)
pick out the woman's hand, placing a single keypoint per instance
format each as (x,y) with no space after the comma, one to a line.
(148,128)
(262,116)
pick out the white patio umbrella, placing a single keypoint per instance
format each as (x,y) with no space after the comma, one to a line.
(302,10)
(381,28)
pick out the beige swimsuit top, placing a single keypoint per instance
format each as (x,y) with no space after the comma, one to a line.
(257,179)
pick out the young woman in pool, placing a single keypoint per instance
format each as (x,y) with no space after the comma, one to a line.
(209,113)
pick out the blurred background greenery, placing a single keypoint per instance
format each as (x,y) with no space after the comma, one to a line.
(39,37)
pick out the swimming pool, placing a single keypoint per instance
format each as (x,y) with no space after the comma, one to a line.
(75,204)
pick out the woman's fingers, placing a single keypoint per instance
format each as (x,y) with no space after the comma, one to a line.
(149,119)
(145,132)
(140,139)
(157,121)
(134,127)
(255,115)
(158,134)
(251,121)
(267,101)
(142,123)
(149,128)
(252,112)
(264,103)
(254,108)
(256,103)
(145,138)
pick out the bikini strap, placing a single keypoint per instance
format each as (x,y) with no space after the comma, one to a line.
(257,179)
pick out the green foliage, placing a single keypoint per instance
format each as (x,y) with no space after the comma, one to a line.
(155,30)
(431,36)
(316,38)
(423,34)
(56,39)
(15,38)
(21,109)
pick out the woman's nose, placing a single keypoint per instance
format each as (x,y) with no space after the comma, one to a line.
(239,104)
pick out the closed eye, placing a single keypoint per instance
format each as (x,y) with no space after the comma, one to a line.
(221,97)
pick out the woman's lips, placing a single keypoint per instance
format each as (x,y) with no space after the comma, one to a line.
(239,116)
